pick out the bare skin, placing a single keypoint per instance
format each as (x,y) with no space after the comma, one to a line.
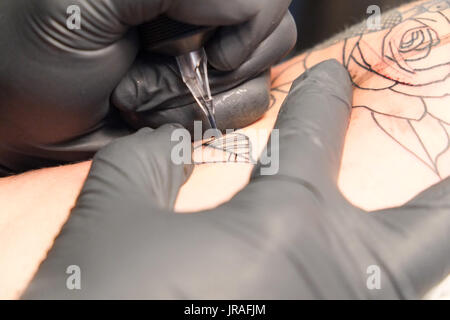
(397,144)
(34,207)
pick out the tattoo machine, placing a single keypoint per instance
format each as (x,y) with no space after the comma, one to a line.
(184,42)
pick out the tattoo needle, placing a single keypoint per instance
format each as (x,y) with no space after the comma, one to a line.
(194,71)
(184,42)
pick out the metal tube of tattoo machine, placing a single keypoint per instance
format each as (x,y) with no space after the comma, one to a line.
(184,42)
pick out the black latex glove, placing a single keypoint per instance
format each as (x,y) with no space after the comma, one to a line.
(291,235)
(56,84)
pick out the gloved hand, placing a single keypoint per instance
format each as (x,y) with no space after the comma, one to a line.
(291,235)
(60,89)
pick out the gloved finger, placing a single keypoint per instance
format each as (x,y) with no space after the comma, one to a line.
(269,52)
(198,12)
(235,108)
(312,126)
(154,95)
(418,239)
(140,164)
(104,22)
(232,45)
(154,84)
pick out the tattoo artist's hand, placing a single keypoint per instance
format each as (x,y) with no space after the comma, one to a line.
(61,90)
(291,235)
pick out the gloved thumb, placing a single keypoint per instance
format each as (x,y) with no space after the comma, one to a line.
(137,168)
(132,182)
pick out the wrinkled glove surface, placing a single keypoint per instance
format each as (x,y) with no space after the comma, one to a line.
(288,236)
(66,93)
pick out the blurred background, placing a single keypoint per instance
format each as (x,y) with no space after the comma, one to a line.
(317,20)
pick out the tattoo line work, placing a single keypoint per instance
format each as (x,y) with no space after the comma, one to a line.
(234,147)
(406,63)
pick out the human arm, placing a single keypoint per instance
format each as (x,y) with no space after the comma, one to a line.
(376,171)
(287,235)
(397,145)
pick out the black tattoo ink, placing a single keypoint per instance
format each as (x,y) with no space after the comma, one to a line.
(236,148)
(404,65)
(400,64)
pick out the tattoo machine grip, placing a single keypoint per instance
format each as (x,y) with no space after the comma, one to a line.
(166,36)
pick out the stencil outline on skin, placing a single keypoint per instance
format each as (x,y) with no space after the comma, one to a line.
(234,147)
(416,28)
(424,28)
(421,33)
